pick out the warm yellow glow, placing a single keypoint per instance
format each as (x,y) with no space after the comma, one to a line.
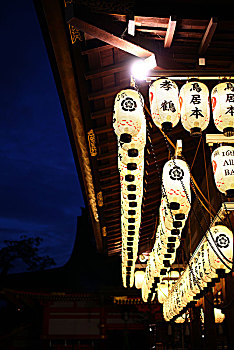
(222,162)
(139,277)
(195,110)
(207,258)
(128,113)
(162,292)
(219,316)
(223,107)
(164,103)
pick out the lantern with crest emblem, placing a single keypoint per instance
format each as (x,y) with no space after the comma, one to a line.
(176,179)
(128,114)
(194,104)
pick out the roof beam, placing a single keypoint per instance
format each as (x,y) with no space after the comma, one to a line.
(208,35)
(170,32)
(109,38)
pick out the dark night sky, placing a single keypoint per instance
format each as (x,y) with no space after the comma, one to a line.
(40,191)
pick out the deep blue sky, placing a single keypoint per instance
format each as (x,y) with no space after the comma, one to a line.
(39,189)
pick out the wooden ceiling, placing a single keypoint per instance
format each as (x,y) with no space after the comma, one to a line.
(99,49)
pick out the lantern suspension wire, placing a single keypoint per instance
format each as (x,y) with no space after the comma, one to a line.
(207,185)
(192,178)
(184,189)
(195,156)
(227,213)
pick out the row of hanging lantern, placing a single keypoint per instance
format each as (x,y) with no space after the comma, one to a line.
(173,212)
(130,127)
(213,255)
(218,315)
(192,105)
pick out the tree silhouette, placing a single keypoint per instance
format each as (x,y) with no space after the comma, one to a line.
(25,249)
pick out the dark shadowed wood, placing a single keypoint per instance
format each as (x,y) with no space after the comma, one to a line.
(208,36)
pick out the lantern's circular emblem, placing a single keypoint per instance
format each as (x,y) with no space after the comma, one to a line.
(176,173)
(128,104)
(222,241)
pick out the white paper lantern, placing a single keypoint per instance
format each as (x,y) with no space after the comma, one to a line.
(219,316)
(194,104)
(220,243)
(139,277)
(223,168)
(222,100)
(128,114)
(164,103)
(175,178)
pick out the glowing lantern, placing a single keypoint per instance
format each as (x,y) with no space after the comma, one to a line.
(164,103)
(175,178)
(139,277)
(128,114)
(220,243)
(223,168)
(138,141)
(222,100)
(180,319)
(219,316)
(195,110)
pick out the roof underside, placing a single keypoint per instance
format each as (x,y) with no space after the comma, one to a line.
(101,69)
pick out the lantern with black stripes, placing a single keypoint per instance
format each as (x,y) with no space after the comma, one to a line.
(194,104)
(222,100)
(164,103)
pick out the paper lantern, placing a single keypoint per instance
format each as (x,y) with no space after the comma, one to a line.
(220,243)
(176,175)
(139,277)
(194,104)
(164,103)
(219,316)
(222,100)
(180,319)
(138,141)
(223,168)
(128,114)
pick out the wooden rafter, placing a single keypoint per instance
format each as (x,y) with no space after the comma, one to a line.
(208,36)
(109,38)
(170,32)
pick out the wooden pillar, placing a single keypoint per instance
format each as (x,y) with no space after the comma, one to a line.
(209,322)
(195,329)
(229,310)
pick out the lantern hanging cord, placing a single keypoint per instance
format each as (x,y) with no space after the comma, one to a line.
(195,156)
(185,191)
(192,178)
(204,156)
